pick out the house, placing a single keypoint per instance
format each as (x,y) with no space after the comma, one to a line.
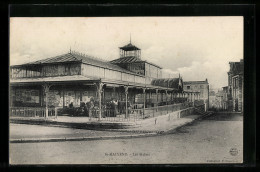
(235,84)
(200,86)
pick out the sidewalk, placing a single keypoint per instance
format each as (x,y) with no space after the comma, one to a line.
(21,133)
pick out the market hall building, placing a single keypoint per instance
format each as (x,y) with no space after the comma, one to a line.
(73,78)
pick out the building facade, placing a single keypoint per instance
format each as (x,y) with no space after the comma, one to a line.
(73,78)
(236,84)
(200,86)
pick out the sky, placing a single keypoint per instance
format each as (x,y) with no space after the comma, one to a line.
(196,47)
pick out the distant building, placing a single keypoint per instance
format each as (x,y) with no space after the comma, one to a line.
(220,100)
(212,99)
(200,86)
(235,84)
(226,98)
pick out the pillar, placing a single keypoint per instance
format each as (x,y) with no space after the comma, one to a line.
(99,92)
(156,91)
(63,97)
(46,88)
(150,95)
(113,93)
(166,93)
(171,96)
(126,98)
(144,100)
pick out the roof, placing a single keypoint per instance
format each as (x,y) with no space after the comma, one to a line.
(57,59)
(129,47)
(52,79)
(166,82)
(194,82)
(77,57)
(236,67)
(128,59)
(131,59)
(77,78)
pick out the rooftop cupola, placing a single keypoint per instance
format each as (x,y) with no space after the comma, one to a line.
(130,50)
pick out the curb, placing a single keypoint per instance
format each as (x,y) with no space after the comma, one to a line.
(32,140)
(89,126)
(199,118)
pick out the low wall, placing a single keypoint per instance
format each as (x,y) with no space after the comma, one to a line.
(181,113)
(100,125)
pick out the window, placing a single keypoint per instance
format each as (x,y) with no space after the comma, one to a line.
(188,87)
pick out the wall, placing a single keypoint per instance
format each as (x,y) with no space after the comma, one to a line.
(28,96)
(203,88)
(152,71)
(46,70)
(89,70)
(237,92)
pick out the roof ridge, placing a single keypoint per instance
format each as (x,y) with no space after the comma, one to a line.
(88,56)
(46,59)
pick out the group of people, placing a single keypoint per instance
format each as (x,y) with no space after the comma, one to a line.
(109,109)
(85,109)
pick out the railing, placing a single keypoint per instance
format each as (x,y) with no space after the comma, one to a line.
(106,114)
(137,114)
(32,112)
(115,115)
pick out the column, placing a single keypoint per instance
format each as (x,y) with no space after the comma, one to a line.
(150,95)
(144,100)
(113,93)
(156,91)
(99,91)
(166,100)
(171,96)
(41,91)
(126,98)
(63,97)
(46,88)
(161,96)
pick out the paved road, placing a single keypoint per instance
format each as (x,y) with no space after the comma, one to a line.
(207,141)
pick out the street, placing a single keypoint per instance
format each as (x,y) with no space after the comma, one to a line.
(214,139)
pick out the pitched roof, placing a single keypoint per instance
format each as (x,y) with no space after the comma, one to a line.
(131,59)
(236,67)
(77,57)
(129,47)
(195,82)
(167,82)
(57,59)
